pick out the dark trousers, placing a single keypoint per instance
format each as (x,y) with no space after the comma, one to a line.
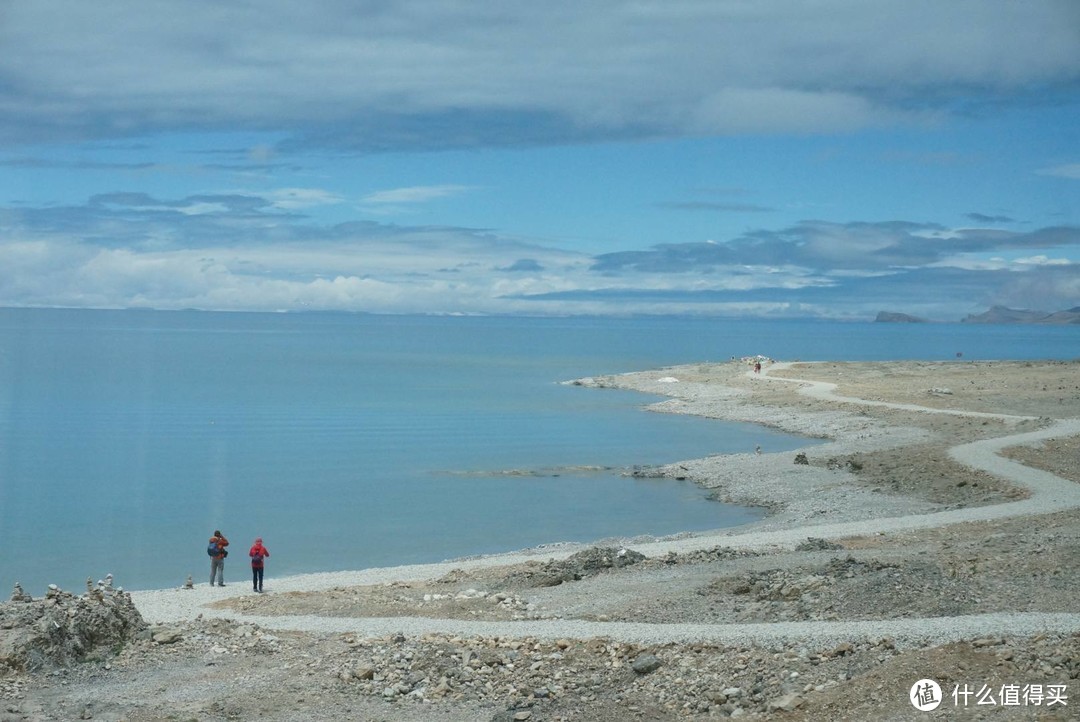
(256,578)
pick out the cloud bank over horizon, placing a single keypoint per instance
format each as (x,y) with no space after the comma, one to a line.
(248,253)
(774,158)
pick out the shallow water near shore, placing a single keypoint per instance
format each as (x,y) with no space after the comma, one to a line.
(350,441)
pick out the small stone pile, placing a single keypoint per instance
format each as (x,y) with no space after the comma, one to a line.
(702,556)
(587,563)
(506,601)
(815,544)
(62,628)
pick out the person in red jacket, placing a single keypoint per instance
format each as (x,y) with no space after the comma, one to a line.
(257,553)
(218,542)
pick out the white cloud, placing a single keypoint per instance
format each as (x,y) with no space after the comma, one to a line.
(783,110)
(1042,261)
(195,209)
(1068,170)
(971,263)
(413,194)
(296,198)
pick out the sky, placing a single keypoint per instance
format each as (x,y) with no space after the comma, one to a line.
(751,158)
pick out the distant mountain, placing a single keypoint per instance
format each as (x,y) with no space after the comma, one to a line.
(1001,314)
(893,317)
(1072,315)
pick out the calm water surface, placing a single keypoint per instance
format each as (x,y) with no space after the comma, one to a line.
(349,441)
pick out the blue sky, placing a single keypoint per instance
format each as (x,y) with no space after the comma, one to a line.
(770,158)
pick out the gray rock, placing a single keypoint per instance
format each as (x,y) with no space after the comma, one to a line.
(167,635)
(813,544)
(646,663)
(587,563)
(512,715)
(787,703)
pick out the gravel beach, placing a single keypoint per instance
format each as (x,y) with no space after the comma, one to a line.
(934,534)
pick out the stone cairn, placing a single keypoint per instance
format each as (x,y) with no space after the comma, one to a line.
(18,595)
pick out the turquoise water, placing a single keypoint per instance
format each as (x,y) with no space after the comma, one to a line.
(349,441)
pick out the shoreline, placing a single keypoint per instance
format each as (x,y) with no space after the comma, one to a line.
(837,511)
(160,606)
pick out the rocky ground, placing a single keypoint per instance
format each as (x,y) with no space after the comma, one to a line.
(221,665)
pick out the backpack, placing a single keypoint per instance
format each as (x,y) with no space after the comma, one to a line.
(213,550)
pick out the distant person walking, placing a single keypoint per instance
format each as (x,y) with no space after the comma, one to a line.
(258,554)
(217,552)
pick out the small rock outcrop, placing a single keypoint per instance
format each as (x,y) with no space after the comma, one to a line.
(587,563)
(815,544)
(62,628)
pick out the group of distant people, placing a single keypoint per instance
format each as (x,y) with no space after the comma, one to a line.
(218,551)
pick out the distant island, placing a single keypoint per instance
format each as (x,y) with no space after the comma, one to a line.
(891,317)
(996,314)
